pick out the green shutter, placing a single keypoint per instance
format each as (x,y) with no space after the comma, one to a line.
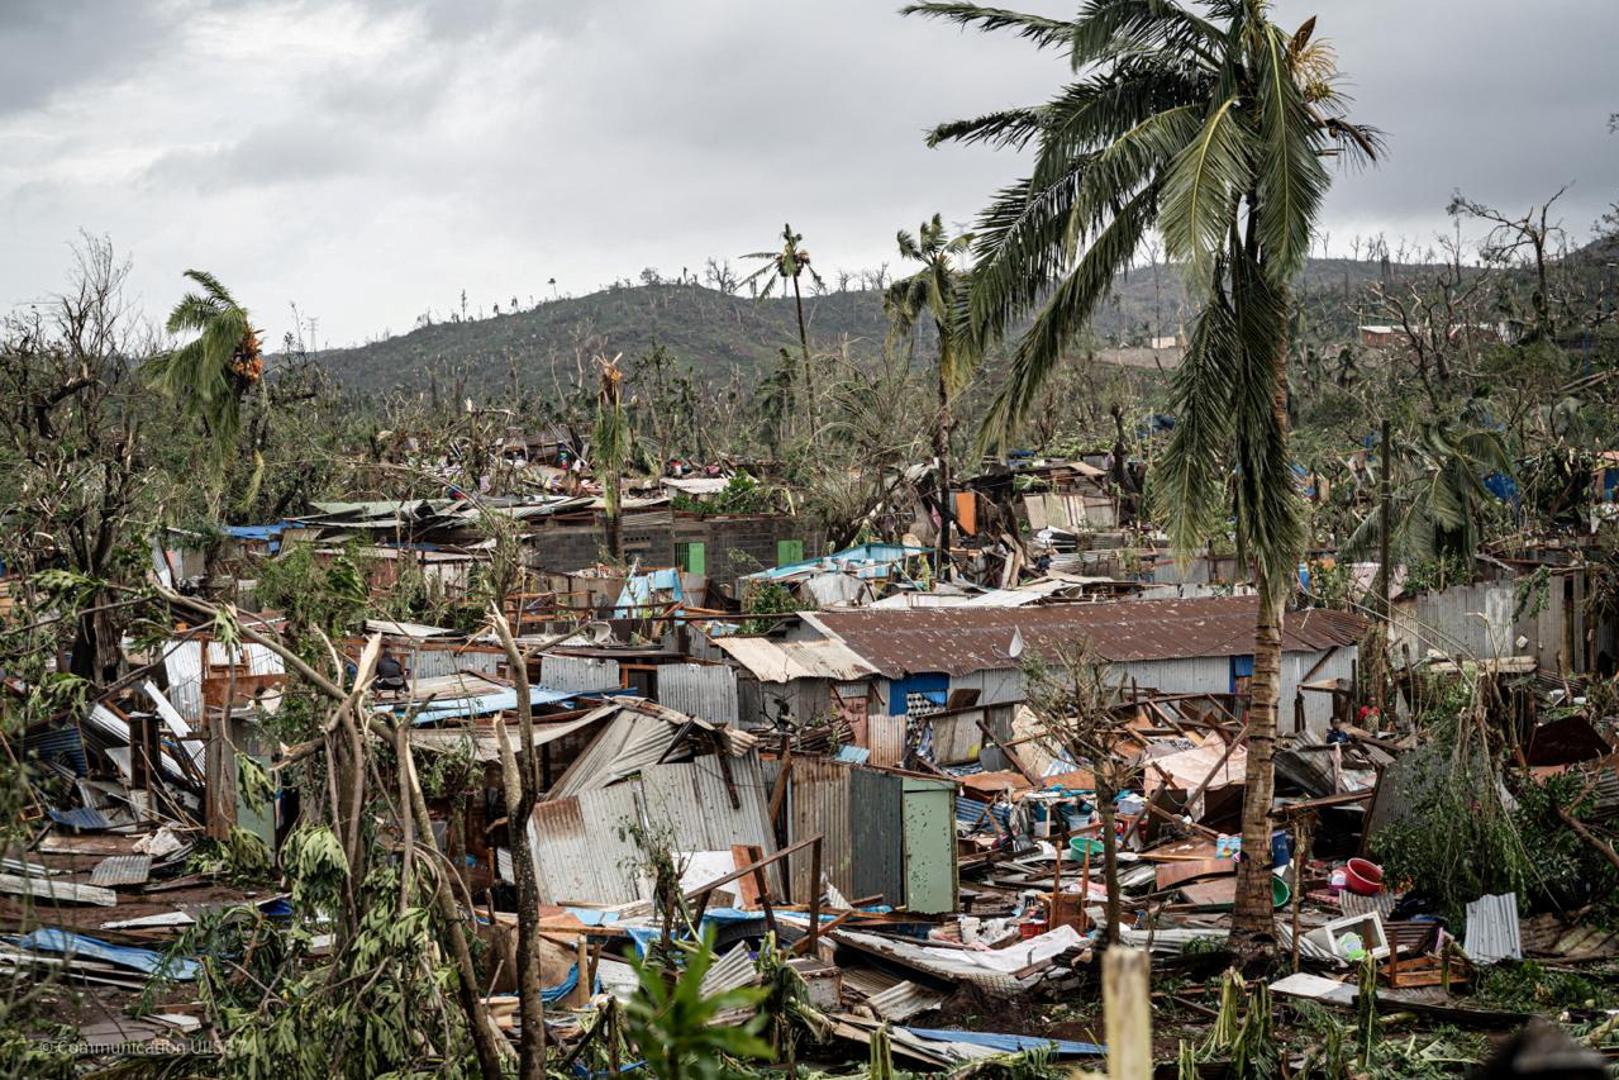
(789,551)
(693,557)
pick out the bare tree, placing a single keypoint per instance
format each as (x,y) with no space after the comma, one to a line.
(1529,240)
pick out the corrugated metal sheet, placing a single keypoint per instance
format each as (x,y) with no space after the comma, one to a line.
(579,854)
(959,640)
(818,802)
(885,735)
(957,737)
(1466,622)
(183,663)
(122,870)
(426,663)
(876,815)
(905,1000)
(784,661)
(580,674)
(703,690)
(584,856)
(732,971)
(1492,929)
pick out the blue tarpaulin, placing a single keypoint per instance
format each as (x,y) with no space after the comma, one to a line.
(638,591)
(1011,1044)
(867,561)
(553,994)
(50,939)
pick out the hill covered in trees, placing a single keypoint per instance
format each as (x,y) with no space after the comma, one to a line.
(720,334)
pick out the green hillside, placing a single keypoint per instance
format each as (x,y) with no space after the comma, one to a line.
(719,334)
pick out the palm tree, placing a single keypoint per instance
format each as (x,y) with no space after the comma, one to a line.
(1209,124)
(610,449)
(211,373)
(938,291)
(1440,492)
(788,265)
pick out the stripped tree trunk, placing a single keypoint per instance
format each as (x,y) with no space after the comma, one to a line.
(1252,920)
(522,790)
(1253,923)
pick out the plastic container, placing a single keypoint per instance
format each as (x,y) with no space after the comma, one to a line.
(1079,845)
(1281,849)
(1363,877)
(1032,928)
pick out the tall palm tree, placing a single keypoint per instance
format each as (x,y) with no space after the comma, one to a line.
(938,291)
(213,372)
(1208,123)
(788,265)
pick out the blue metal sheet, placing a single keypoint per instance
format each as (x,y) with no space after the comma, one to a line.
(483,704)
(81,817)
(50,939)
(1011,1044)
(62,744)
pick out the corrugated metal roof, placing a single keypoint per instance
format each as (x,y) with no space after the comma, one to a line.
(784,661)
(962,640)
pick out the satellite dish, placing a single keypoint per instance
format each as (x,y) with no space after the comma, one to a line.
(1015,649)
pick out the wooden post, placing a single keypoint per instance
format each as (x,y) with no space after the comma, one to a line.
(1301,844)
(815,896)
(1127,1011)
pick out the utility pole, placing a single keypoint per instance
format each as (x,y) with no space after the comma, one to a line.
(1385,572)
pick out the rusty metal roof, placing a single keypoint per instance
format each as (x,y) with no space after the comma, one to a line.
(961,640)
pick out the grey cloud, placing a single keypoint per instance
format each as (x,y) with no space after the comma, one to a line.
(50,47)
(493,144)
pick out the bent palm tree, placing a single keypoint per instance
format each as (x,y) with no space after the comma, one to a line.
(1208,123)
(938,291)
(211,373)
(789,264)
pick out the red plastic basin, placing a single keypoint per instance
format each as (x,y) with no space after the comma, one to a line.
(1363,877)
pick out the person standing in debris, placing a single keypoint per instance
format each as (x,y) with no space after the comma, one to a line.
(390,671)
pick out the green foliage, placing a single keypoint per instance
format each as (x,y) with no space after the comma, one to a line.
(1528,987)
(1457,842)
(742,494)
(327,593)
(766,598)
(242,858)
(316,867)
(675,1026)
(1437,573)
(380,1004)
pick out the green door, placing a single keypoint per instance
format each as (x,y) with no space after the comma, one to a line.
(789,552)
(930,846)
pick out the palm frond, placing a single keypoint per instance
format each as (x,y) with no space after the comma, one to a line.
(1189,482)
(1107,28)
(1009,128)
(1065,313)
(1201,190)
(1270,524)
(1045,33)
(1292,179)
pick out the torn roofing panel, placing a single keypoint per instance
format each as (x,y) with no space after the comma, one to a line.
(961,640)
(784,661)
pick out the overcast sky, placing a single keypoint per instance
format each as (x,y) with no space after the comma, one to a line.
(369,159)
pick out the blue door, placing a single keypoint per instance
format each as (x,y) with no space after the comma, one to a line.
(1242,669)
